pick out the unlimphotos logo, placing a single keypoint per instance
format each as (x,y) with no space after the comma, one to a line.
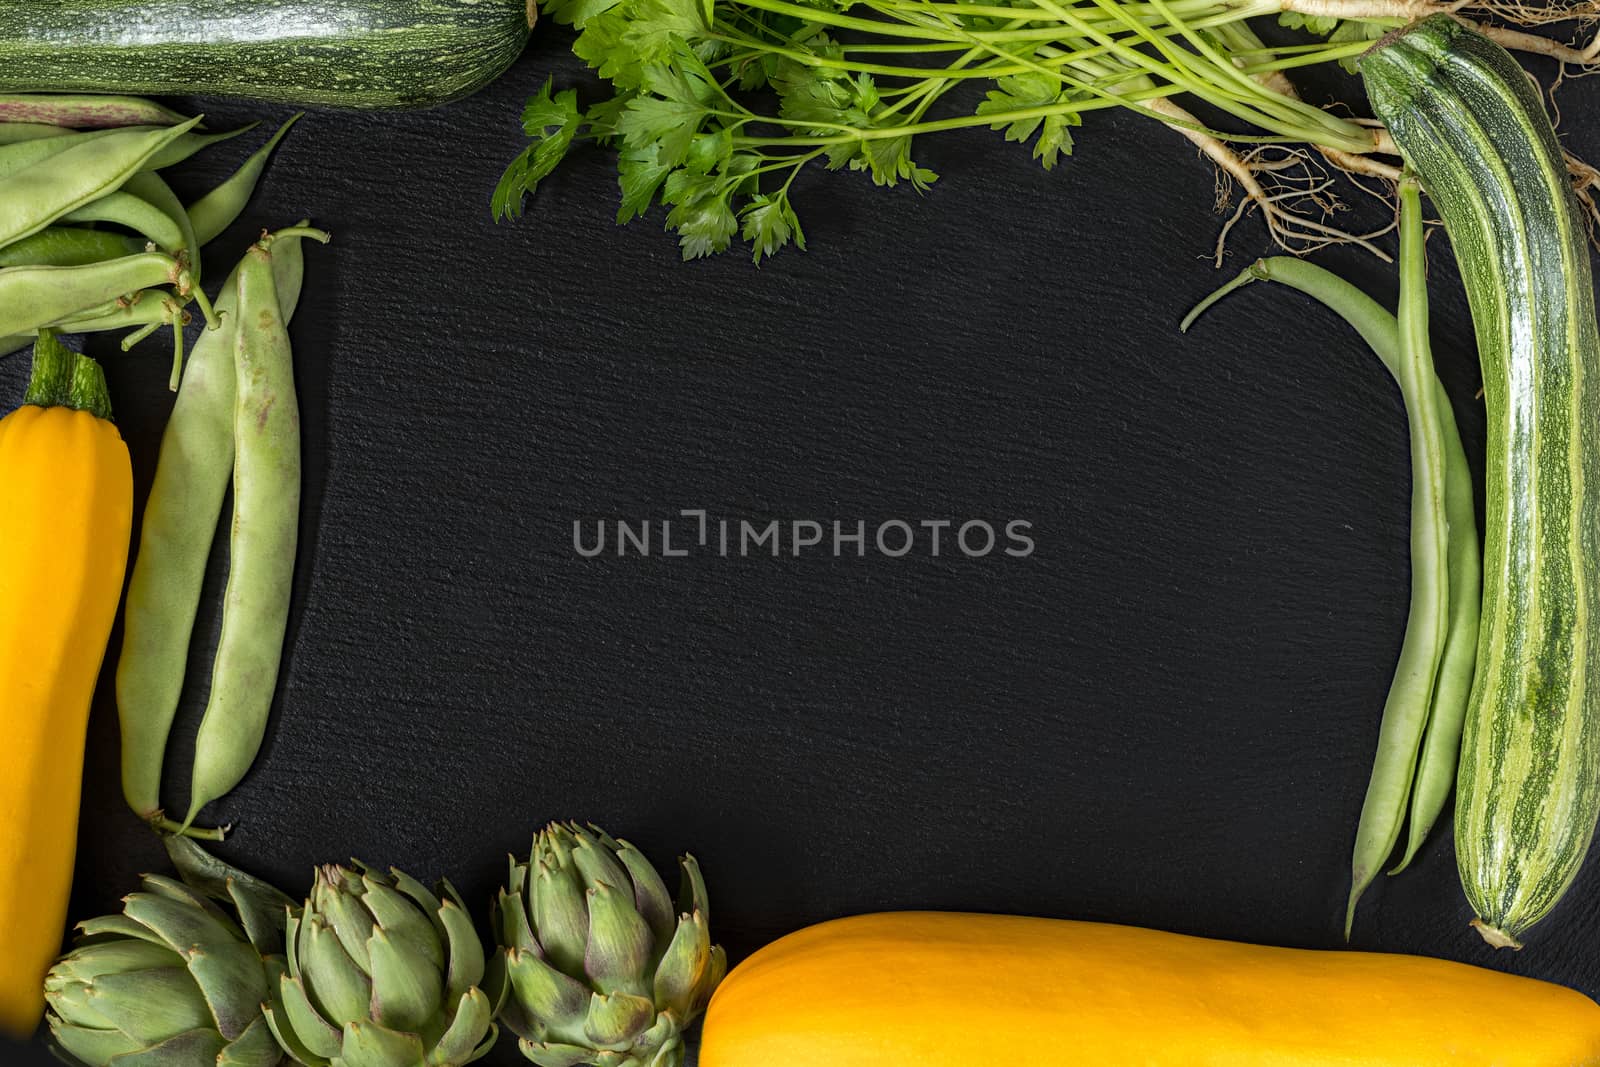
(695,532)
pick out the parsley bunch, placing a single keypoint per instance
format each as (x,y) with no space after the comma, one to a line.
(718,105)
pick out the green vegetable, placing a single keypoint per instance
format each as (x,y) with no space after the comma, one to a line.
(140,216)
(266,526)
(222,206)
(382,973)
(346,53)
(596,963)
(173,980)
(180,521)
(154,190)
(82,112)
(67,246)
(16,155)
(1405,742)
(1405,715)
(1528,791)
(91,167)
(108,176)
(191,144)
(31,297)
(16,132)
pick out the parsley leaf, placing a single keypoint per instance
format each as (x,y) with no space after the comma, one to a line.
(769,223)
(1032,91)
(552,121)
(700,213)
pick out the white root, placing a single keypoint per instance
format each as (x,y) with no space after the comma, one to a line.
(1533,44)
(1519,12)
(1290,230)
(1369,9)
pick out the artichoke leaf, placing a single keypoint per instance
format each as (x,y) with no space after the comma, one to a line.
(179,923)
(618,953)
(614,1022)
(719,971)
(683,967)
(256,1047)
(562,915)
(290,1041)
(549,1055)
(596,863)
(402,920)
(511,921)
(554,1000)
(347,916)
(428,901)
(197,1048)
(366,1044)
(151,1005)
(466,951)
(91,1045)
(692,894)
(650,894)
(261,906)
(335,985)
(88,962)
(406,986)
(292,1012)
(105,927)
(470,1033)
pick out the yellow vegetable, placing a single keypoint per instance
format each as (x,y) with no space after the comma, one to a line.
(927,989)
(66,508)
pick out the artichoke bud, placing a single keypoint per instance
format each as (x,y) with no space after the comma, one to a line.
(175,978)
(381,972)
(600,967)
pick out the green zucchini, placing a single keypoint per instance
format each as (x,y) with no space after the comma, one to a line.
(344,53)
(1528,787)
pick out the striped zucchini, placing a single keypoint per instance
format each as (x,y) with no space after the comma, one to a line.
(344,53)
(1528,789)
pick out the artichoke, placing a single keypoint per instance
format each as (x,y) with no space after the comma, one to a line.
(173,981)
(596,964)
(381,973)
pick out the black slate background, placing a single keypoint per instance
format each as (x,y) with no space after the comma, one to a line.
(1165,716)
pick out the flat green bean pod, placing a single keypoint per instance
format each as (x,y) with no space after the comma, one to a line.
(222,206)
(129,309)
(68,246)
(190,144)
(33,297)
(123,208)
(85,111)
(22,154)
(36,196)
(16,132)
(180,522)
(152,188)
(266,520)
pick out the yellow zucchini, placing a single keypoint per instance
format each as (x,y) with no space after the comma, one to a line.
(65,520)
(939,989)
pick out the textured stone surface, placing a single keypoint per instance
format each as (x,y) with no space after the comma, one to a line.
(1165,716)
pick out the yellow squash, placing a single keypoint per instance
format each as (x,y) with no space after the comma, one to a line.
(66,509)
(936,989)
